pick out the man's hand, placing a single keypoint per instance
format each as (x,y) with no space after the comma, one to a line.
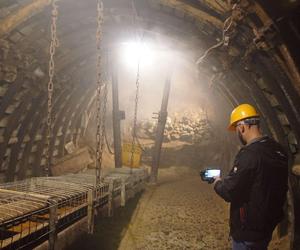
(216,180)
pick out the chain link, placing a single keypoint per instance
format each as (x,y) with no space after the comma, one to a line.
(136,103)
(53,45)
(103,118)
(140,38)
(100,116)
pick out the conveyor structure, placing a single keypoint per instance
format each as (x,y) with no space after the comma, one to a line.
(35,210)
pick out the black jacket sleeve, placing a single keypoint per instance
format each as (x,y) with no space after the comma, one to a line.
(235,185)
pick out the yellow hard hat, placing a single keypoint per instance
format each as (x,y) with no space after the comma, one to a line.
(241,112)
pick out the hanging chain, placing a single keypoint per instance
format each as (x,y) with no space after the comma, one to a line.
(103,117)
(136,101)
(99,135)
(105,95)
(134,132)
(53,45)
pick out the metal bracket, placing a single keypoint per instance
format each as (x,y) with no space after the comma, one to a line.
(155,115)
(266,37)
(162,117)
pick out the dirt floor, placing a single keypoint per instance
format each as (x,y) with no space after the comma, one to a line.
(181,212)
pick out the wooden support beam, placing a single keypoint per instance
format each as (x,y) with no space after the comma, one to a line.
(111,198)
(123,193)
(22,14)
(193,11)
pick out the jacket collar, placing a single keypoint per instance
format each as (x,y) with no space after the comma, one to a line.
(259,139)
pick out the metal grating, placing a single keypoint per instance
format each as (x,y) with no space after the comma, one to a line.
(30,209)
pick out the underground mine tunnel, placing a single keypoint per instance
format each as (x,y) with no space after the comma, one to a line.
(109,109)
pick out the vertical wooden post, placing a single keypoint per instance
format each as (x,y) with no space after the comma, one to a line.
(110,198)
(52,226)
(91,214)
(123,193)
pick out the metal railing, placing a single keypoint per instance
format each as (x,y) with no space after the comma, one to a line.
(35,210)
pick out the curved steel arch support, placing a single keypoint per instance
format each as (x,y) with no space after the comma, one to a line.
(272,83)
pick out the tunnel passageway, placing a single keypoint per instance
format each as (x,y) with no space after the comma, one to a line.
(85,84)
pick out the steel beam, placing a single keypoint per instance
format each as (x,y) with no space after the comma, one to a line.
(32,133)
(22,132)
(42,143)
(272,83)
(116,119)
(163,114)
(65,113)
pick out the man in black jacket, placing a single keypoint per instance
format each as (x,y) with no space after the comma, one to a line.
(257,184)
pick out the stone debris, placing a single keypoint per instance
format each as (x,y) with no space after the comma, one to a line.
(9,73)
(190,127)
(4,49)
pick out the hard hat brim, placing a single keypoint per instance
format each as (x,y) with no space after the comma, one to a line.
(231,128)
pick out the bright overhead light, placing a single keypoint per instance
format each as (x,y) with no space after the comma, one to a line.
(135,53)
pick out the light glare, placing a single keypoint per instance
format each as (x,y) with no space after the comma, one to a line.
(135,53)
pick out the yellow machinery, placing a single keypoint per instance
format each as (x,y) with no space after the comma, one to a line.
(131,155)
